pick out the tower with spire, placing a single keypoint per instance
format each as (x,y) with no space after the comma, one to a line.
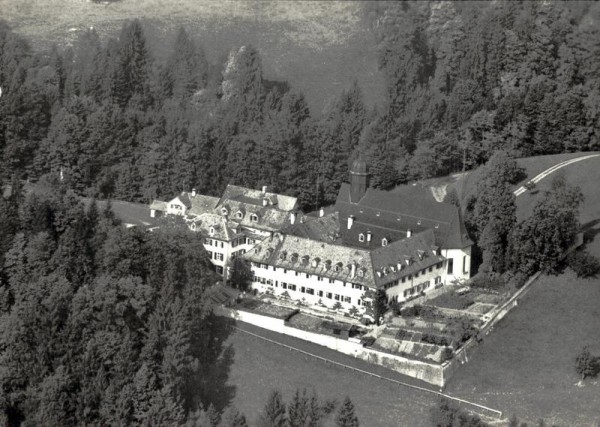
(359,179)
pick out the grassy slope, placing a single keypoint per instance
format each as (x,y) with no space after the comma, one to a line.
(526,365)
(261,367)
(320,47)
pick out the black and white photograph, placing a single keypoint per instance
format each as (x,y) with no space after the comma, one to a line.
(294,213)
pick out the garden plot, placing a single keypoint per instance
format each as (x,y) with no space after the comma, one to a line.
(266,309)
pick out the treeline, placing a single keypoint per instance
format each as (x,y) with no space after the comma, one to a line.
(462,81)
(100,324)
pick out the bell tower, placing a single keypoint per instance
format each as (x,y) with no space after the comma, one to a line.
(358,179)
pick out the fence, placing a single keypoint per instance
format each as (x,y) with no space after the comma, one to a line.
(495,412)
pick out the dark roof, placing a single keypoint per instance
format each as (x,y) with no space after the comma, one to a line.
(388,215)
(323,229)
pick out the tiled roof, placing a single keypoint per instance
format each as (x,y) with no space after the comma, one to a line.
(222,229)
(314,257)
(202,203)
(251,196)
(324,229)
(388,215)
(158,205)
(269,218)
(417,249)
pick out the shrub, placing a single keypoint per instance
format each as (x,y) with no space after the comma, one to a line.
(487,281)
(587,365)
(435,339)
(447,354)
(583,264)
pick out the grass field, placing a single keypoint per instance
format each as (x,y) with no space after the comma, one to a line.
(320,47)
(260,367)
(526,365)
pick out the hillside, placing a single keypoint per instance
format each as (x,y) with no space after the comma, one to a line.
(319,47)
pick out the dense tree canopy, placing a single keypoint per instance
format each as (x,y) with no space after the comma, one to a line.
(463,80)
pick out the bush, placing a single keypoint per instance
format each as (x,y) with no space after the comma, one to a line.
(435,339)
(583,264)
(514,280)
(487,281)
(447,354)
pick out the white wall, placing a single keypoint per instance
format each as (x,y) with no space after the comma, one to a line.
(459,256)
(338,287)
(176,207)
(416,284)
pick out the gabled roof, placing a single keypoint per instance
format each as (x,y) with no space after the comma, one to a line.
(202,204)
(324,229)
(389,215)
(255,197)
(158,205)
(299,253)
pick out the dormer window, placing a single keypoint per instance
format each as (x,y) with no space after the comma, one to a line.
(393,268)
(419,222)
(305,259)
(327,264)
(253,217)
(315,262)
(224,211)
(193,226)
(211,230)
(269,252)
(282,255)
(337,267)
(361,272)
(361,237)
(239,215)
(294,257)
(384,242)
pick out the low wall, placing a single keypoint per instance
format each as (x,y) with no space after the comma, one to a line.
(428,372)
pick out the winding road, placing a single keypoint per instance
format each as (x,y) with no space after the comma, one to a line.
(554,168)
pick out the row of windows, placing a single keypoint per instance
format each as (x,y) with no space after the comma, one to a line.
(416,289)
(215,255)
(212,242)
(307,275)
(305,290)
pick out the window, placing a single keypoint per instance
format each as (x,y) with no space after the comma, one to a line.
(307,276)
(384,242)
(274,268)
(439,264)
(359,302)
(328,295)
(303,289)
(269,282)
(253,217)
(319,278)
(219,269)
(417,274)
(438,280)
(292,287)
(210,254)
(450,265)
(348,300)
(239,215)
(221,244)
(218,256)
(464,264)
(297,274)
(336,297)
(361,237)
(430,269)
(410,277)
(284,285)
(405,293)
(320,293)
(331,280)
(310,291)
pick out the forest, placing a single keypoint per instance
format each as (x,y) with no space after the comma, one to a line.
(462,81)
(100,324)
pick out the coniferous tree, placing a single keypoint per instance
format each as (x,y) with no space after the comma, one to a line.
(346,416)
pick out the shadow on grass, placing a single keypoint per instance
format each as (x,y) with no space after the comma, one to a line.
(210,386)
(590,230)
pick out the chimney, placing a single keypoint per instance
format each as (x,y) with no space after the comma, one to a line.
(321,212)
(408,233)
(369,235)
(292,217)
(193,192)
(265,201)
(350,221)
(353,270)
(264,189)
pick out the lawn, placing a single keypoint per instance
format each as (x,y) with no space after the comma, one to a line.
(452,300)
(526,366)
(260,367)
(584,174)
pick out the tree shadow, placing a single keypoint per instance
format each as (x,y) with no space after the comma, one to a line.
(210,385)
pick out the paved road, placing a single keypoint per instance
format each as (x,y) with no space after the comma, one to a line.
(552,169)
